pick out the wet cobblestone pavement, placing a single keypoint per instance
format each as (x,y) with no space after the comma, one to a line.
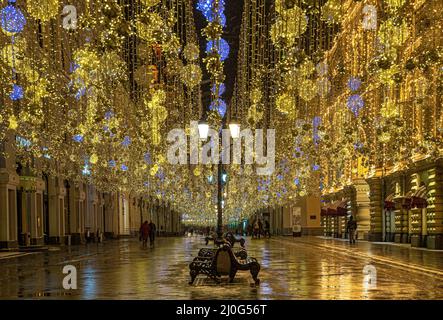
(300,268)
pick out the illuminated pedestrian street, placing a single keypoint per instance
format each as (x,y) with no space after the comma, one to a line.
(301,268)
(221,149)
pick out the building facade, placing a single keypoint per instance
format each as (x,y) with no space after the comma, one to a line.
(384,118)
(39,209)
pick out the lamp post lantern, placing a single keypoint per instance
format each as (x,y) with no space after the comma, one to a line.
(234,128)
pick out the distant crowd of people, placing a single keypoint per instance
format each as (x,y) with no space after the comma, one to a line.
(258,229)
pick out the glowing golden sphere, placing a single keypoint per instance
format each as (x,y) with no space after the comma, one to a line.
(393,34)
(395,4)
(256,95)
(191,52)
(150,3)
(332,11)
(149,27)
(307,90)
(191,75)
(289,27)
(43,10)
(285,103)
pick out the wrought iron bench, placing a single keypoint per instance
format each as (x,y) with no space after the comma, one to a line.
(229,237)
(223,262)
(241,254)
(209,238)
(232,238)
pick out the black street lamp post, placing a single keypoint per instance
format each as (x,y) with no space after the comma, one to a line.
(234,128)
(220,185)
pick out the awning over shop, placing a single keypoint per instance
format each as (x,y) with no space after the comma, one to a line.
(418,198)
(389,202)
(407,200)
(338,208)
(324,210)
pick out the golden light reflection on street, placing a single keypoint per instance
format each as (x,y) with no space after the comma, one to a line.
(303,268)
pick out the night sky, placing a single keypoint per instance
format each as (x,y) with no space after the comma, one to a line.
(233,12)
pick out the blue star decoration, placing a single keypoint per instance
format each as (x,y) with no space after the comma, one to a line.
(206,8)
(221,89)
(12,19)
(354,83)
(78,138)
(220,106)
(355,103)
(222,48)
(16,93)
(126,141)
(147,158)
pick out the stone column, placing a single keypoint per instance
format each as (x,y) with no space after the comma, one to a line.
(165,219)
(111,215)
(92,210)
(168,222)
(415,231)
(277,212)
(37,236)
(100,208)
(134,217)
(311,216)
(146,210)
(56,198)
(435,208)
(77,197)
(9,180)
(73,206)
(124,212)
(32,208)
(376,197)
(162,218)
(174,221)
(363,208)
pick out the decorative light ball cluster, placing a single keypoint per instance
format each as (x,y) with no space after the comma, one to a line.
(221,46)
(12,19)
(221,89)
(220,106)
(355,103)
(206,8)
(43,10)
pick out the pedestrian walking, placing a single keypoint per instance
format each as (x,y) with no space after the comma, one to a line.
(256,229)
(144,234)
(260,228)
(249,230)
(351,228)
(267,229)
(153,230)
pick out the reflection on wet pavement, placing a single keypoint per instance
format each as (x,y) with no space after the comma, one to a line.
(301,268)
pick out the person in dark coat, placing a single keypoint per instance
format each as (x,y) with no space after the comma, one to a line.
(144,233)
(260,228)
(267,229)
(351,228)
(153,230)
(256,231)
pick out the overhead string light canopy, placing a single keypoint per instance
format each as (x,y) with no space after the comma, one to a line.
(217,50)
(94,104)
(13,21)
